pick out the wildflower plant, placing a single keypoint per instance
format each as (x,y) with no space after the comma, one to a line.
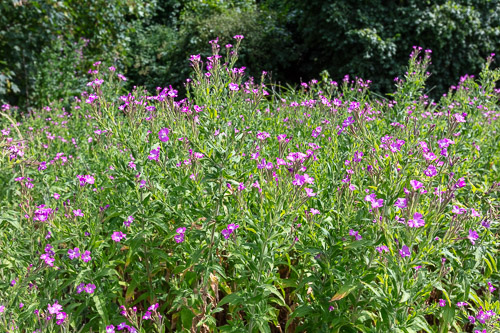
(248,207)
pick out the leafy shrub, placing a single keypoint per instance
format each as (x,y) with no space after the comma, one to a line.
(243,207)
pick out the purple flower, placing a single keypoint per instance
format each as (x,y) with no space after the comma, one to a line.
(314,211)
(401,203)
(232,227)
(444,143)
(128,221)
(56,196)
(86,256)
(429,156)
(442,302)
(87,179)
(460,183)
(416,184)
(154,154)
(73,254)
(370,197)
(473,236)
(80,288)
(117,236)
(491,288)
(310,192)
(226,233)
(431,171)
(2,308)
(417,221)
(377,203)
(458,210)
(110,329)
(299,180)
(382,248)
(474,213)
(179,238)
(122,326)
(154,307)
(89,288)
(404,252)
(355,234)
(163,134)
(147,315)
(234,87)
(78,212)
(54,308)
(60,317)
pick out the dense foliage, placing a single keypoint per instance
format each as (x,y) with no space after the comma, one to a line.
(294,40)
(244,207)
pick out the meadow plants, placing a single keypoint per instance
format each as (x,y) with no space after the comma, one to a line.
(249,207)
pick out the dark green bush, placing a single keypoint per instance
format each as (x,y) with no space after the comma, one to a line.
(370,38)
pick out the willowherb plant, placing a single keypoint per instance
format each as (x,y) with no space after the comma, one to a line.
(244,207)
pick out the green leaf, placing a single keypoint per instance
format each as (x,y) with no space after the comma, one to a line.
(101,308)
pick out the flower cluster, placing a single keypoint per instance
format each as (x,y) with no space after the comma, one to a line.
(229,230)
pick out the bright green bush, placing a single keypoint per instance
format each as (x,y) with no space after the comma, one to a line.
(244,207)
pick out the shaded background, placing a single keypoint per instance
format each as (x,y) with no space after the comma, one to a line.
(46,47)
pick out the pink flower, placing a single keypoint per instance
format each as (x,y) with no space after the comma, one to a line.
(54,308)
(355,234)
(86,256)
(431,171)
(308,179)
(179,238)
(60,317)
(128,221)
(417,221)
(314,211)
(147,315)
(405,251)
(442,302)
(154,154)
(459,118)
(73,254)
(473,236)
(458,210)
(89,179)
(154,307)
(89,288)
(117,236)
(56,196)
(401,203)
(416,184)
(80,288)
(382,248)
(163,134)
(460,183)
(299,180)
(78,212)
(309,192)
